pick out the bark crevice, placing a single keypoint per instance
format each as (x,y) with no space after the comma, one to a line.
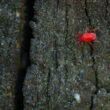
(87,14)
(96,78)
(66,35)
(93,60)
(55,37)
(24,54)
(48,95)
(106,12)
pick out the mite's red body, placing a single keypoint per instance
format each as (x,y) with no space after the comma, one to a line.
(87,37)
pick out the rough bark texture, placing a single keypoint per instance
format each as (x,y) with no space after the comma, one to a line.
(9,50)
(62,75)
(65,76)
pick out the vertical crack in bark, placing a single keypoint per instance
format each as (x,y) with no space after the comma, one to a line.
(106,12)
(66,35)
(55,37)
(66,21)
(93,60)
(96,78)
(86,11)
(93,66)
(57,5)
(48,95)
(24,55)
(56,53)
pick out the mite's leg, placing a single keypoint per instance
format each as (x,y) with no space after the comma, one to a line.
(87,29)
(76,35)
(79,35)
(93,30)
(90,43)
(96,41)
(78,42)
(81,43)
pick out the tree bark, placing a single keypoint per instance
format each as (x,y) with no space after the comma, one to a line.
(10,23)
(63,75)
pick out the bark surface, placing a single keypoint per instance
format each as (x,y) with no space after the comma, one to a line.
(63,75)
(10,24)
